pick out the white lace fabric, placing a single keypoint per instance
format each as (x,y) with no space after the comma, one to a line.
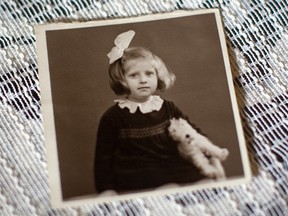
(154,103)
(257,40)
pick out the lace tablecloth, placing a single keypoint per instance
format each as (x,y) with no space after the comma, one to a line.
(257,40)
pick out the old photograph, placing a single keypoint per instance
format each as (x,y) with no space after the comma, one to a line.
(139,106)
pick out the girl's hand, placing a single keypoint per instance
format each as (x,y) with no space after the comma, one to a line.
(107,193)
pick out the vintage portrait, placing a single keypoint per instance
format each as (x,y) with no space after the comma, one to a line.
(139,106)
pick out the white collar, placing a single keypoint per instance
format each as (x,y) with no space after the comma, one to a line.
(154,103)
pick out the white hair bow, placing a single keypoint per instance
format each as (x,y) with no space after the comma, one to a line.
(122,42)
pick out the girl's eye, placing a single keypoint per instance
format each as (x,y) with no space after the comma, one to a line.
(133,75)
(149,73)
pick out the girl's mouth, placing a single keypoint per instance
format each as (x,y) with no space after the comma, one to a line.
(145,87)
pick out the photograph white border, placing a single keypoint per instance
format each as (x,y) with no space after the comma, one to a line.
(49,124)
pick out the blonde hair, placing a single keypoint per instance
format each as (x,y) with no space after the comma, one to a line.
(165,76)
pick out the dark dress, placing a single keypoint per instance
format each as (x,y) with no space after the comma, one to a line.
(135,152)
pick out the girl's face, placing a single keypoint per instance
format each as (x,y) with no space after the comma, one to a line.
(141,78)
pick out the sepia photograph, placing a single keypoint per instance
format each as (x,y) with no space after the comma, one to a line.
(139,106)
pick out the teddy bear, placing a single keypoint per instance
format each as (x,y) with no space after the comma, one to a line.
(198,149)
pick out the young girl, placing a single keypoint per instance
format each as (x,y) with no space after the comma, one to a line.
(134,150)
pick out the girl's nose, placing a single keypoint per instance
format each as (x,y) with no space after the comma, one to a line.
(143,79)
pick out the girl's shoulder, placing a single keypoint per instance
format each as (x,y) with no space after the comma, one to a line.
(169,104)
(170,107)
(111,111)
(121,108)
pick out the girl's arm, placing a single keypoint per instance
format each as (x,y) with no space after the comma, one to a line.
(104,154)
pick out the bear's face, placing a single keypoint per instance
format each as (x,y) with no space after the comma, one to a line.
(181,131)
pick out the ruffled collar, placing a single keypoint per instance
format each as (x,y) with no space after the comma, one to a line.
(154,103)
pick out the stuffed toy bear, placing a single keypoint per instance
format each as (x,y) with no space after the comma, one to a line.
(198,149)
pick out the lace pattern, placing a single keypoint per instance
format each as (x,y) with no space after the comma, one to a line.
(153,104)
